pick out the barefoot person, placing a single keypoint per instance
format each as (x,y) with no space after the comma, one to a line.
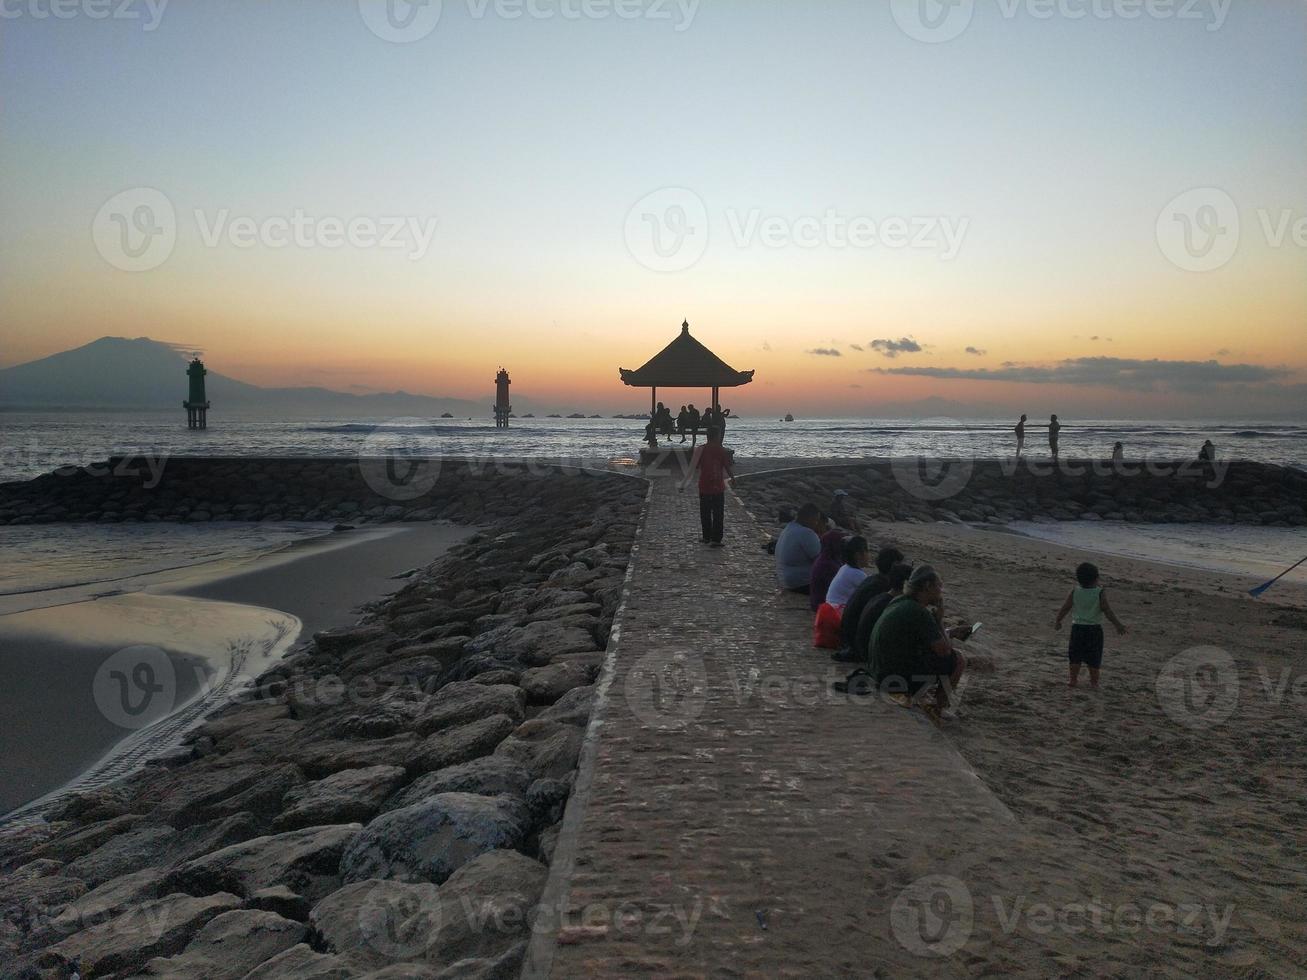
(713,465)
(910,651)
(1021,435)
(1054,427)
(1087,603)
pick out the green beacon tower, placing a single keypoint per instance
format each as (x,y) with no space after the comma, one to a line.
(197,406)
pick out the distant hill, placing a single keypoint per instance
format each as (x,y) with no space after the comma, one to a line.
(117,374)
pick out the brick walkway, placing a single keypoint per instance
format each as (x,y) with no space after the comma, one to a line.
(742,820)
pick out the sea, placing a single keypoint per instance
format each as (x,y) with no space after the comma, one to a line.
(42,557)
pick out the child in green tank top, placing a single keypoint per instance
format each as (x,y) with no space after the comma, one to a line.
(1087,603)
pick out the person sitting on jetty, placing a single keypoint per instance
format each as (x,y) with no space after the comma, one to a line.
(856,555)
(842,512)
(712,463)
(660,423)
(682,421)
(911,652)
(872,586)
(826,567)
(1208,453)
(797,548)
(871,613)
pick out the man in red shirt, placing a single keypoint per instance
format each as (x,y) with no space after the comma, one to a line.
(713,464)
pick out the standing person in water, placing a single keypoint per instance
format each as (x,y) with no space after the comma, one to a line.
(1118,455)
(712,463)
(1021,435)
(1054,427)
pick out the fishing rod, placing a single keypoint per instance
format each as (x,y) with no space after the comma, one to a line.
(1266,585)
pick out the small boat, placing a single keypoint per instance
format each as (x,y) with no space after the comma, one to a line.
(788,418)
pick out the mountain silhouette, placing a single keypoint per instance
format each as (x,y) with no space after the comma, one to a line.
(118,374)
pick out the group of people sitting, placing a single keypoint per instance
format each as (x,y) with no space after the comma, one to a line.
(688,421)
(887,616)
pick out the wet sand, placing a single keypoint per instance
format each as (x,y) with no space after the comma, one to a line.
(208,628)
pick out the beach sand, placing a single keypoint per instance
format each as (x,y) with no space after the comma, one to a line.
(212,626)
(1180,780)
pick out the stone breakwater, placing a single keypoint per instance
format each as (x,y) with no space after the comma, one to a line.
(1001,491)
(383,803)
(359,491)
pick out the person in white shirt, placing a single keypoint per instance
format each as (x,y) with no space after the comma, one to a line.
(856,555)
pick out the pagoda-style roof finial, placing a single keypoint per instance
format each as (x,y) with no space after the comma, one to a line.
(685,327)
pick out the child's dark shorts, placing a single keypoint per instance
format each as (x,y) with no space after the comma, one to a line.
(1086,645)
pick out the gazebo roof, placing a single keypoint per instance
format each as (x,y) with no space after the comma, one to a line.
(685,363)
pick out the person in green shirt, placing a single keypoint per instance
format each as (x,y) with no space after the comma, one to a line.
(910,650)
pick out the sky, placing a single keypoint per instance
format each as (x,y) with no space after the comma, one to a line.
(1092,206)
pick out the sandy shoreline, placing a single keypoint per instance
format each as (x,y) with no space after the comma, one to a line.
(215,625)
(1180,781)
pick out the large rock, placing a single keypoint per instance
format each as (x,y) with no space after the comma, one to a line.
(534,643)
(379,922)
(349,796)
(491,775)
(505,966)
(160,927)
(466,701)
(194,794)
(322,757)
(303,860)
(73,844)
(487,906)
(229,946)
(103,903)
(482,914)
(303,963)
(430,840)
(573,708)
(461,744)
(159,846)
(545,685)
(546,748)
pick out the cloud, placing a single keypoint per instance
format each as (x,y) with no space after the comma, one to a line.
(856,346)
(976,351)
(1126,374)
(766,346)
(855,386)
(893,348)
(825,352)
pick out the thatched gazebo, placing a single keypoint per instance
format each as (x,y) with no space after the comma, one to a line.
(685,363)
